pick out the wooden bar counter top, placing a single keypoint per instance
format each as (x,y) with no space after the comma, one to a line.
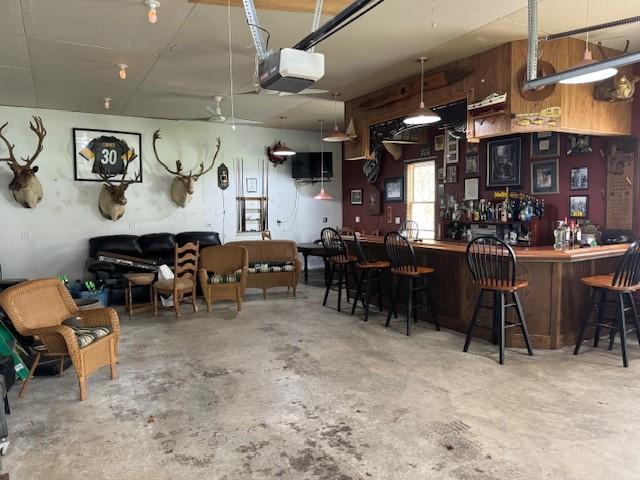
(554,302)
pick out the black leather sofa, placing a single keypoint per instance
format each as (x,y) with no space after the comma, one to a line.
(159,247)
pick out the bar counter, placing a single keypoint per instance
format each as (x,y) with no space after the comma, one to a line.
(554,302)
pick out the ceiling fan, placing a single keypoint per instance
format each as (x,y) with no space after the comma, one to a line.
(217,117)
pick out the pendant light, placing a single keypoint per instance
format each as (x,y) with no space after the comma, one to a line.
(422,116)
(322,195)
(283,150)
(152,14)
(588,60)
(337,135)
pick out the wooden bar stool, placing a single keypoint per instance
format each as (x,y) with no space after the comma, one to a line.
(404,265)
(138,280)
(621,285)
(339,259)
(368,269)
(493,267)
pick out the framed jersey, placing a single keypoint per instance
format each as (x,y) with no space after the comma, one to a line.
(107,152)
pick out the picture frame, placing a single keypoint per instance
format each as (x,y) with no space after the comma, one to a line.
(252,185)
(438,143)
(452,200)
(452,149)
(545,177)
(389,215)
(440,171)
(356,196)
(544,145)
(471,188)
(472,164)
(579,206)
(452,174)
(373,202)
(579,178)
(440,195)
(95,149)
(578,144)
(394,189)
(504,162)
(473,148)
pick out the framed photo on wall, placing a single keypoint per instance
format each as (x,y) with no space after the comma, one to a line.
(452,174)
(373,202)
(579,178)
(471,188)
(545,144)
(441,174)
(394,189)
(438,142)
(252,185)
(106,151)
(578,144)
(356,196)
(579,206)
(471,166)
(452,150)
(440,195)
(504,162)
(544,176)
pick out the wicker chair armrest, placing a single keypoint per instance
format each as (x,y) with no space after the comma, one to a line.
(101,317)
(59,339)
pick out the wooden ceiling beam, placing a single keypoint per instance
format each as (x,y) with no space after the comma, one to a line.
(330,7)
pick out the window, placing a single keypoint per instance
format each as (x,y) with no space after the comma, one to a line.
(421,197)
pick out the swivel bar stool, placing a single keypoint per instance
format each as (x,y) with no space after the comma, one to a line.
(368,269)
(404,265)
(621,285)
(338,258)
(493,267)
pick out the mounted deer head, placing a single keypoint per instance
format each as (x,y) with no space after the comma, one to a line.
(183,185)
(25,186)
(112,202)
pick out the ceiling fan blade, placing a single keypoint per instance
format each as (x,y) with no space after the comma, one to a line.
(313,91)
(242,121)
(210,109)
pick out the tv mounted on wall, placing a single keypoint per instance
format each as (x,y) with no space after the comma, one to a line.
(307,165)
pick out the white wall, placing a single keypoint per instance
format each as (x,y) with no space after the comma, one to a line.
(53,238)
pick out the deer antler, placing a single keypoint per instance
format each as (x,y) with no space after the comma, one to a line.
(11,159)
(178,171)
(215,156)
(602,52)
(36,127)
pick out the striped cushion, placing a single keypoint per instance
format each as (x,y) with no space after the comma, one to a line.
(265,268)
(226,278)
(88,335)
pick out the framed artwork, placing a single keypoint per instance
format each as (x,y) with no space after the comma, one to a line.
(389,215)
(394,189)
(472,148)
(544,176)
(545,144)
(110,152)
(452,174)
(579,178)
(373,202)
(504,162)
(471,166)
(451,152)
(439,143)
(252,185)
(440,194)
(441,174)
(579,206)
(471,188)
(578,144)
(356,196)
(451,200)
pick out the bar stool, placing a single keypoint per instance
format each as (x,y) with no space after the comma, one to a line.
(368,269)
(623,284)
(493,267)
(138,280)
(339,259)
(409,229)
(404,265)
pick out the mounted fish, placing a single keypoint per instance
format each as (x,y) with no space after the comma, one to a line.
(112,202)
(183,185)
(25,186)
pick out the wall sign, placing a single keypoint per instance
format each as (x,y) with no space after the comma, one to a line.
(621,165)
(223,177)
(108,152)
(384,131)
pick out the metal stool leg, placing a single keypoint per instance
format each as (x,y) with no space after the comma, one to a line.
(600,303)
(410,306)
(379,274)
(523,324)
(634,312)
(586,321)
(623,330)
(368,296)
(358,293)
(502,318)
(340,282)
(332,268)
(394,299)
(474,319)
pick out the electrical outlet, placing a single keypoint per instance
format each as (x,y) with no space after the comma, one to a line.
(325,219)
(25,235)
(397,220)
(357,219)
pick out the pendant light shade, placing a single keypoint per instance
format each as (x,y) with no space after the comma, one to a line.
(322,195)
(423,115)
(336,135)
(283,150)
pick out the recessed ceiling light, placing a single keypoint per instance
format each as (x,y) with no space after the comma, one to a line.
(152,14)
(123,71)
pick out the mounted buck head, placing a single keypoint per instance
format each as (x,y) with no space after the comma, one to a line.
(112,202)
(25,186)
(183,185)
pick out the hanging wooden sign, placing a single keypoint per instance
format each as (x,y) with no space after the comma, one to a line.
(621,164)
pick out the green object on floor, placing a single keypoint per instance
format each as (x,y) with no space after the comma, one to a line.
(6,340)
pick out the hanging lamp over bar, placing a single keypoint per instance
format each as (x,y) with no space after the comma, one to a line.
(337,135)
(283,150)
(322,195)
(423,115)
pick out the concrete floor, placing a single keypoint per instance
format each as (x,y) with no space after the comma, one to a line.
(289,389)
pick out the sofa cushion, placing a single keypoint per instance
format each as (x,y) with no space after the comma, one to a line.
(206,239)
(272,267)
(122,244)
(225,278)
(158,245)
(87,335)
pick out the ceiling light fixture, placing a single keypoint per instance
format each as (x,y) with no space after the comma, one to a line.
(107,103)
(322,195)
(152,14)
(590,77)
(283,150)
(422,116)
(337,135)
(123,71)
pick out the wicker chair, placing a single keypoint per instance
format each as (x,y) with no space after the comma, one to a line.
(223,274)
(184,281)
(37,308)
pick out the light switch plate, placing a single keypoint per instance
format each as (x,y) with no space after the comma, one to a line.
(397,220)
(357,219)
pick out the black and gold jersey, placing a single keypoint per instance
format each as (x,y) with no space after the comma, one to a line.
(108,155)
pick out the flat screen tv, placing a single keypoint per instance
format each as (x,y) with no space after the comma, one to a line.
(307,165)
